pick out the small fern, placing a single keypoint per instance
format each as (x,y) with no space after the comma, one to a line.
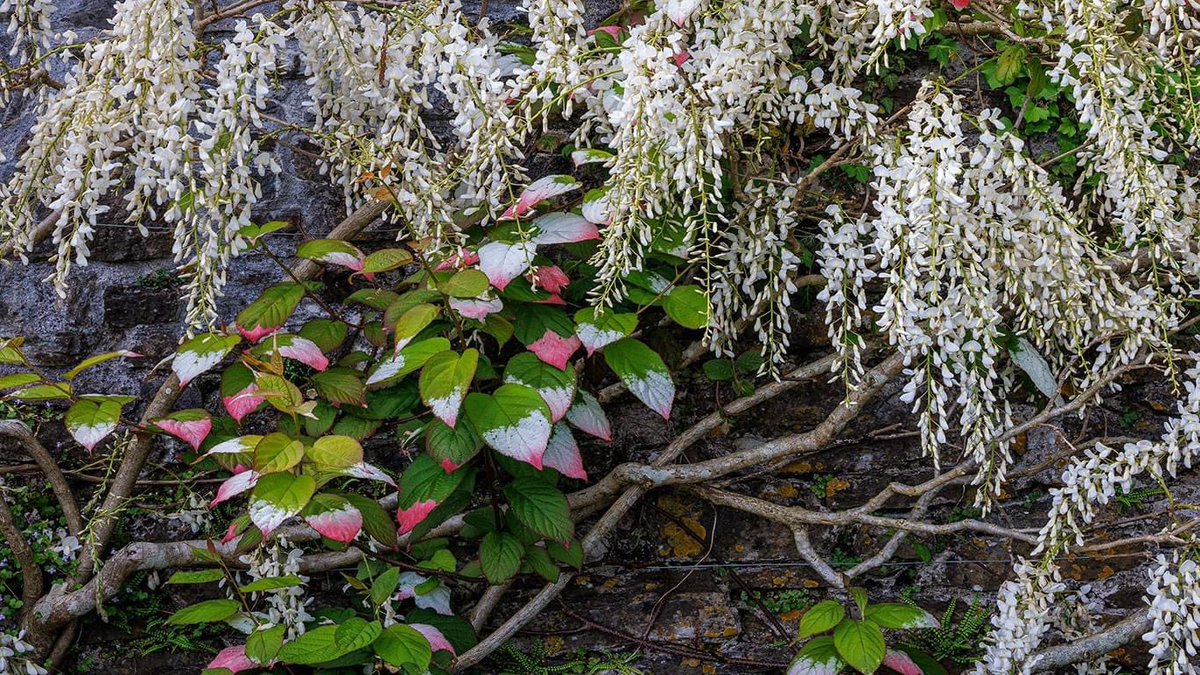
(958,641)
(510,660)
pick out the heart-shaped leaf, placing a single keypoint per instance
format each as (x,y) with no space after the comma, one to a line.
(514,421)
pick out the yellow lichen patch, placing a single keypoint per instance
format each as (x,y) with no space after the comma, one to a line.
(708,669)
(801,468)
(787,491)
(835,486)
(1105,572)
(691,663)
(811,583)
(554,645)
(681,543)
(791,615)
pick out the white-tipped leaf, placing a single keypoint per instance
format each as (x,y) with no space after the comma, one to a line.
(514,421)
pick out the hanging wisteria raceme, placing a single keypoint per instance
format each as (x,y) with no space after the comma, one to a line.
(1088,484)
(224,189)
(1175,613)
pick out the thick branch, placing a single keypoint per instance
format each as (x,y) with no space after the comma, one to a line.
(31,575)
(18,431)
(1093,646)
(814,440)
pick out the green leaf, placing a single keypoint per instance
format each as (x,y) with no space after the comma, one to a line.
(196,577)
(326,334)
(820,618)
(374,298)
(256,232)
(687,306)
(500,555)
(277,497)
(335,452)
(407,361)
(556,387)
(270,584)
(718,370)
(597,330)
(445,379)
(644,373)
(817,657)
(18,380)
(1008,64)
(342,386)
(209,611)
(386,260)
(277,452)
(272,308)
(538,561)
(860,644)
(42,392)
(452,447)
(93,361)
(899,616)
(860,598)
(403,647)
(468,283)
(201,353)
(569,554)
(514,421)
(384,585)
(413,322)
(262,646)
(423,486)
(540,507)
(89,422)
(331,251)
(533,321)
(376,522)
(327,643)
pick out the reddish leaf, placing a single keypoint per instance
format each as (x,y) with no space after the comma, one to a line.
(562,453)
(413,515)
(236,485)
(435,637)
(233,659)
(564,228)
(457,261)
(476,309)
(901,662)
(504,262)
(189,426)
(257,333)
(303,350)
(552,279)
(555,349)
(333,518)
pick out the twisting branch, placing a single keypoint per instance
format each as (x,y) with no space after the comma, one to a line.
(656,474)
(18,431)
(31,574)
(1093,646)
